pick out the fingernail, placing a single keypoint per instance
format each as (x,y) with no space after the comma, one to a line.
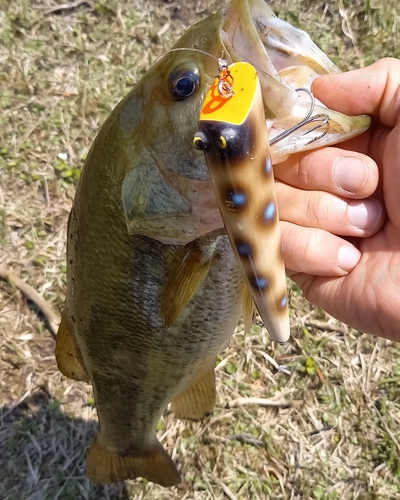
(350,173)
(348,257)
(364,215)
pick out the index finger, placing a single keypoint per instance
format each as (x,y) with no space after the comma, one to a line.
(373,90)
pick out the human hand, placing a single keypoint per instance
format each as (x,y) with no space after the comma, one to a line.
(368,298)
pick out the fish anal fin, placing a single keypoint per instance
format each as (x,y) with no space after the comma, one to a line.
(67,356)
(183,282)
(196,401)
(154,464)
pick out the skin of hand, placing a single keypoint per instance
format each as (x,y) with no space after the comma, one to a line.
(330,212)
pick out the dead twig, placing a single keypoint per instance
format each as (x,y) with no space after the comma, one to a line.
(258,402)
(35,297)
(325,326)
(244,439)
(65,6)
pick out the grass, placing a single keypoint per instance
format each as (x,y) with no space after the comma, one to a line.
(328,430)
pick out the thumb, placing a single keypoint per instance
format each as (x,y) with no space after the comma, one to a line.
(372,90)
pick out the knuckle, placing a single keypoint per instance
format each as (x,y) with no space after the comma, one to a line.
(316,208)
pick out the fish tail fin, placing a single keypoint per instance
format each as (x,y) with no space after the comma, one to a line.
(154,464)
(197,400)
(67,356)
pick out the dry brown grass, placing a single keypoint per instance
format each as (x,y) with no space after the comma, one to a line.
(327,430)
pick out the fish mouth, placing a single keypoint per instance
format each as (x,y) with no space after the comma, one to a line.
(286,60)
(268,43)
(252,33)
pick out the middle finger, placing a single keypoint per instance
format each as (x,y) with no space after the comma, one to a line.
(318,209)
(333,170)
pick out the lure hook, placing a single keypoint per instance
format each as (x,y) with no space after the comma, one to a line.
(321,120)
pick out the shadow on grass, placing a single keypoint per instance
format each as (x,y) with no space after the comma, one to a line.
(42,453)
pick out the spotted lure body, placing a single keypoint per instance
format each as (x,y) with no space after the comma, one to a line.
(232,133)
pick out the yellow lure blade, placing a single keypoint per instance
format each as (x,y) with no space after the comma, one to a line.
(242,79)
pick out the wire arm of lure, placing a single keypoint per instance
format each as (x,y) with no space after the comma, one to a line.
(321,120)
(225,79)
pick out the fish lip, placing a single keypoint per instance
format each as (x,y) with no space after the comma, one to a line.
(241,35)
(271,44)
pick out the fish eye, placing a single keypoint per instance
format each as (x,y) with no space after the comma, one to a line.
(230,138)
(201,141)
(183,83)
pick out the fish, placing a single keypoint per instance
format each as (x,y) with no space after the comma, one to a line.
(232,131)
(154,289)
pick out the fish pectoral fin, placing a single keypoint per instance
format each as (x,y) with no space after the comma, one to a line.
(198,400)
(68,359)
(154,464)
(248,309)
(184,281)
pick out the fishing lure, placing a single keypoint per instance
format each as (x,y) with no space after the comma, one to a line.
(233,136)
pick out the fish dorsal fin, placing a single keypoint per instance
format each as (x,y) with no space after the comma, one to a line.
(154,464)
(67,356)
(184,281)
(197,400)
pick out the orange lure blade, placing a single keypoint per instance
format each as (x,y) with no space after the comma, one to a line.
(232,133)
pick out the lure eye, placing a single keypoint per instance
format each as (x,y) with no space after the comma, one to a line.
(183,83)
(222,142)
(230,138)
(201,141)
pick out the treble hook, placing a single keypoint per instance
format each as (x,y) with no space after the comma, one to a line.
(322,118)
